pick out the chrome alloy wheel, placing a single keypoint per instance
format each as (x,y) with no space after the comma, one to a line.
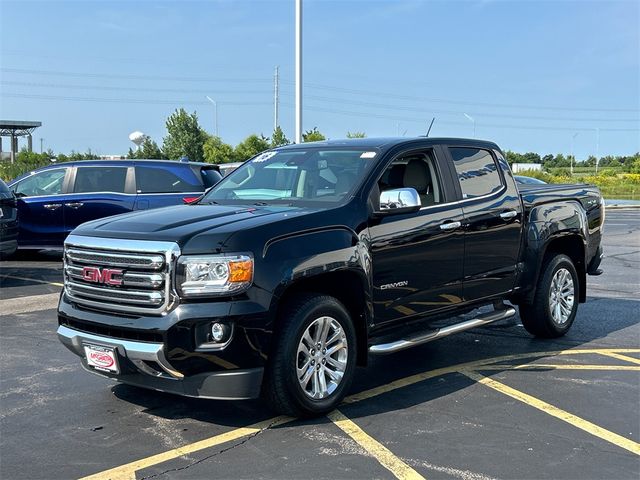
(561,296)
(321,359)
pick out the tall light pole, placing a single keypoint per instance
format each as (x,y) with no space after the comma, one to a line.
(276,99)
(298,71)
(470,118)
(597,148)
(215,113)
(573,158)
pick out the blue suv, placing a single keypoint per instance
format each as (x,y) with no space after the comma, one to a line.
(55,199)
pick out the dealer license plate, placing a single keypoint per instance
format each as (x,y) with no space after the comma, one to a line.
(101,358)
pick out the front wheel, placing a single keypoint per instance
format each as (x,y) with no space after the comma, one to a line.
(313,358)
(555,303)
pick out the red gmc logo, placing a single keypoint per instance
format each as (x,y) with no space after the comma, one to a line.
(95,275)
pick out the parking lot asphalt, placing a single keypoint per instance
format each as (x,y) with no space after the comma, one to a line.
(488,403)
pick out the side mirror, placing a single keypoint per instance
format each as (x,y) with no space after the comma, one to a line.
(399,200)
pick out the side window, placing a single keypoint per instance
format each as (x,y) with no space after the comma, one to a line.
(477,171)
(100,179)
(48,182)
(415,170)
(161,180)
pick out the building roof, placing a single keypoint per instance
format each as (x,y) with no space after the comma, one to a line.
(17,127)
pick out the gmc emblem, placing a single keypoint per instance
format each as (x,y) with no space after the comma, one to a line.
(95,275)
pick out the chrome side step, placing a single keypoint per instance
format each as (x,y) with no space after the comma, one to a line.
(419,339)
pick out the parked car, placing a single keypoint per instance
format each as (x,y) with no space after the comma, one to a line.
(8,221)
(227,168)
(523,180)
(309,258)
(53,200)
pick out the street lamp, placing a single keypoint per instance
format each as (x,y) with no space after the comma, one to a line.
(573,138)
(470,118)
(298,62)
(215,112)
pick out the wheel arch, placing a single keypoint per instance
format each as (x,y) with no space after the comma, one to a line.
(349,288)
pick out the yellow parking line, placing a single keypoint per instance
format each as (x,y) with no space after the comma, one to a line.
(420,377)
(538,366)
(378,451)
(128,471)
(549,409)
(624,358)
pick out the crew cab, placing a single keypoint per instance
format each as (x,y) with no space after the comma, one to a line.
(55,199)
(309,258)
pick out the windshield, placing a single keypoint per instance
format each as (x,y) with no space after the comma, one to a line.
(322,176)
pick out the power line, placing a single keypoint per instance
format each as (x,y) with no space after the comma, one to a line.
(461,112)
(423,120)
(125,100)
(134,77)
(460,102)
(128,89)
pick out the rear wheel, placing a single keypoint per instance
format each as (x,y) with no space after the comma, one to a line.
(555,304)
(313,359)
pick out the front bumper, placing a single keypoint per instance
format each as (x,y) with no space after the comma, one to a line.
(144,364)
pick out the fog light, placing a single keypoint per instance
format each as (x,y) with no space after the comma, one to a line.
(218,332)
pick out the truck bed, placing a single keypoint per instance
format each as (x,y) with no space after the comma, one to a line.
(535,195)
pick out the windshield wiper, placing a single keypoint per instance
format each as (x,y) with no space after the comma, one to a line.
(261,204)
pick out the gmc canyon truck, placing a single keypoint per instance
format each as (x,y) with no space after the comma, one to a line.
(309,258)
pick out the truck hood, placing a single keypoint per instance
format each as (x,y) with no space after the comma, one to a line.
(178,224)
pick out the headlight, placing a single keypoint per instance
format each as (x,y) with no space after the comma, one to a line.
(206,275)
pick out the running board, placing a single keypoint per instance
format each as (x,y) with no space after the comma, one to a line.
(384,348)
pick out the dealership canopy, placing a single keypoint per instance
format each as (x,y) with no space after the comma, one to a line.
(15,129)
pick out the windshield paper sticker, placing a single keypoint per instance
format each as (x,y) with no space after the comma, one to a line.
(264,157)
(368,155)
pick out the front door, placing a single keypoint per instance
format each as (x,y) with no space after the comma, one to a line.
(40,208)
(417,257)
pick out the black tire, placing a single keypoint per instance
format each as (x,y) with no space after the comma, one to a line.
(537,317)
(281,387)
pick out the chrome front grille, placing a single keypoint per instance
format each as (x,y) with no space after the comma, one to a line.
(141,284)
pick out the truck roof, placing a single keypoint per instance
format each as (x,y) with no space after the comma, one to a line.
(385,143)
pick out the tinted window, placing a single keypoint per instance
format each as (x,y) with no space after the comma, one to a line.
(210,177)
(100,179)
(3,187)
(477,172)
(163,180)
(48,182)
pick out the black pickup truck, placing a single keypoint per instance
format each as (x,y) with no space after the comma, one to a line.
(309,258)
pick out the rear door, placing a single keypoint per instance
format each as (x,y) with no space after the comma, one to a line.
(98,191)
(417,258)
(40,203)
(492,218)
(162,185)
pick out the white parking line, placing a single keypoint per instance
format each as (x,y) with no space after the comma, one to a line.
(34,303)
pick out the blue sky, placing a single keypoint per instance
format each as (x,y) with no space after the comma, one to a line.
(531,74)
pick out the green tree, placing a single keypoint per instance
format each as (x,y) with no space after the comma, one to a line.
(278,138)
(250,146)
(513,157)
(313,135)
(531,157)
(216,151)
(148,150)
(185,137)
(356,135)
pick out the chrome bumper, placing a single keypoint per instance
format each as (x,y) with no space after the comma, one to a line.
(137,352)
(237,384)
